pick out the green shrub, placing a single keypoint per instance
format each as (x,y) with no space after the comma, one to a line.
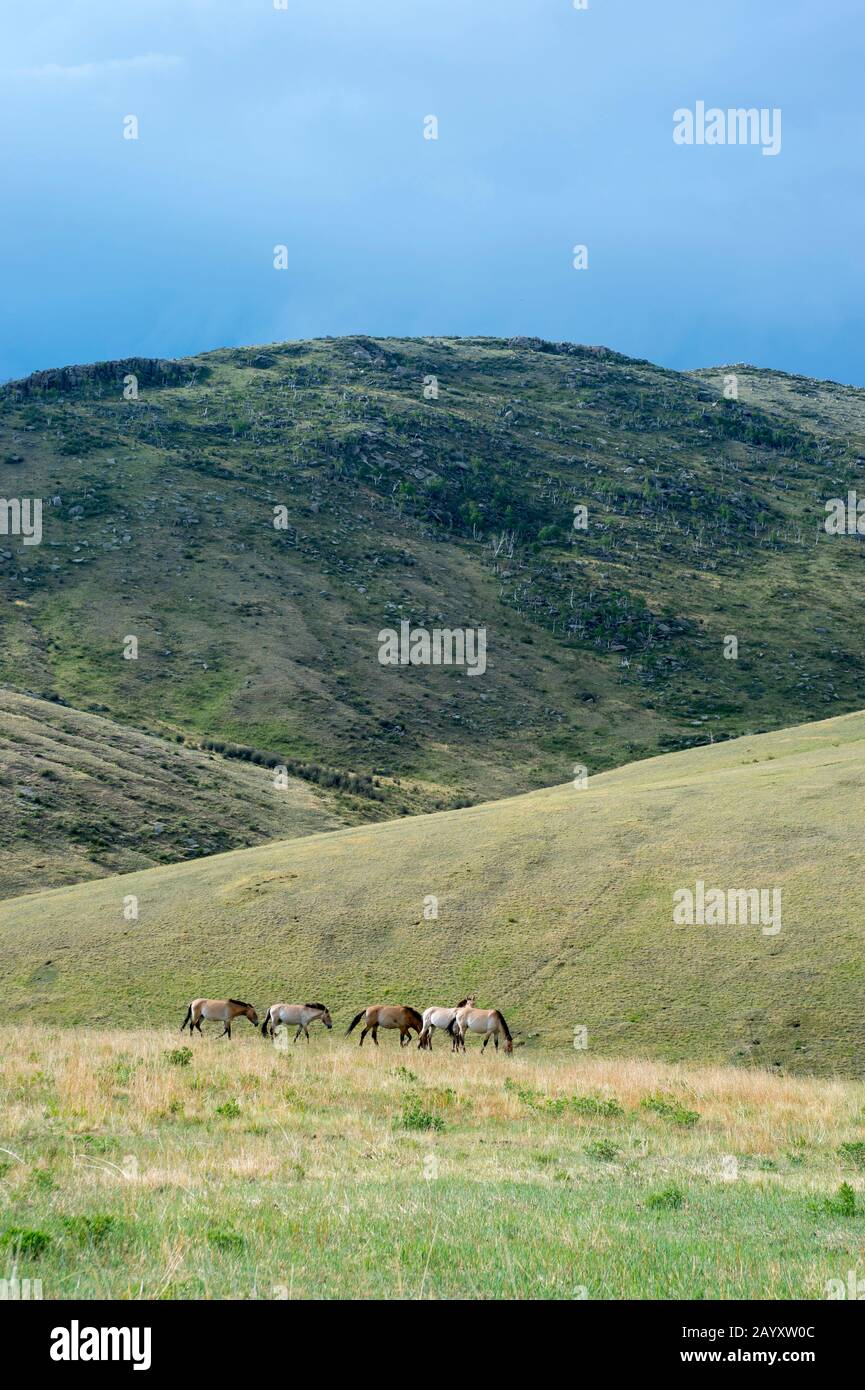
(179,1057)
(524,1093)
(415,1116)
(231,1242)
(670,1109)
(853,1153)
(554,1105)
(596,1105)
(98,1143)
(229,1109)
(603,1150)
(25,1241)
(668,1199)
(91,1229)
(842,1204)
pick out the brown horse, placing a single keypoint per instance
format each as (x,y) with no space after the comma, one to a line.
(220,1011)
(487,1021)
(388,1016)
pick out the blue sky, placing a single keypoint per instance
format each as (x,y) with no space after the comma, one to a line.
(304,127)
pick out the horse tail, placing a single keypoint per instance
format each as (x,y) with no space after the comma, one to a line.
(452,1025)
(186,1020)
(355,1022)
(265,1023)
(505,1029)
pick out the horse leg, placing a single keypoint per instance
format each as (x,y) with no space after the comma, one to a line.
(306,1032)
(496,1041)
(362,1036)
(486,1040)
(297,1034)
(375,1034)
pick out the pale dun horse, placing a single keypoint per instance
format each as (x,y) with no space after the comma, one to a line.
(218,1011)
(438,1017)
(387,1016)
(300,1014)
(490,1022)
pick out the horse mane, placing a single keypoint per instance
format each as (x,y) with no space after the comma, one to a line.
(461,1004)
(241,1003)
(414,1013)
(323,1007)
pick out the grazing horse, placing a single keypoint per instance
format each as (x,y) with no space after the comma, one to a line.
(219,1011)
(388,1016)
(435,1017)
(301,1014)
(487,1021)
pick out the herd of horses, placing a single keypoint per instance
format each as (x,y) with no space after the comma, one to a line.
(463,1018)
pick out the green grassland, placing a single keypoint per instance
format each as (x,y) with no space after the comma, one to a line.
(556,906)
(135,1167)
(605,645)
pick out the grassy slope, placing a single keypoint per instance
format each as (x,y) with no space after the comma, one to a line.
(259,1173)
(604,645)
(825,408)
(555,906)
(82,798)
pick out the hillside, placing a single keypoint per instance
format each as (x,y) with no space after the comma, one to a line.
(826,408)
(82,798)
(555,906)
(450,509)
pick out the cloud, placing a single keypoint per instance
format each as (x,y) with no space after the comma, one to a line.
(83,72)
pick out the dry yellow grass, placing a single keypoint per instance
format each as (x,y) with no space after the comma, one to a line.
(342,1172)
